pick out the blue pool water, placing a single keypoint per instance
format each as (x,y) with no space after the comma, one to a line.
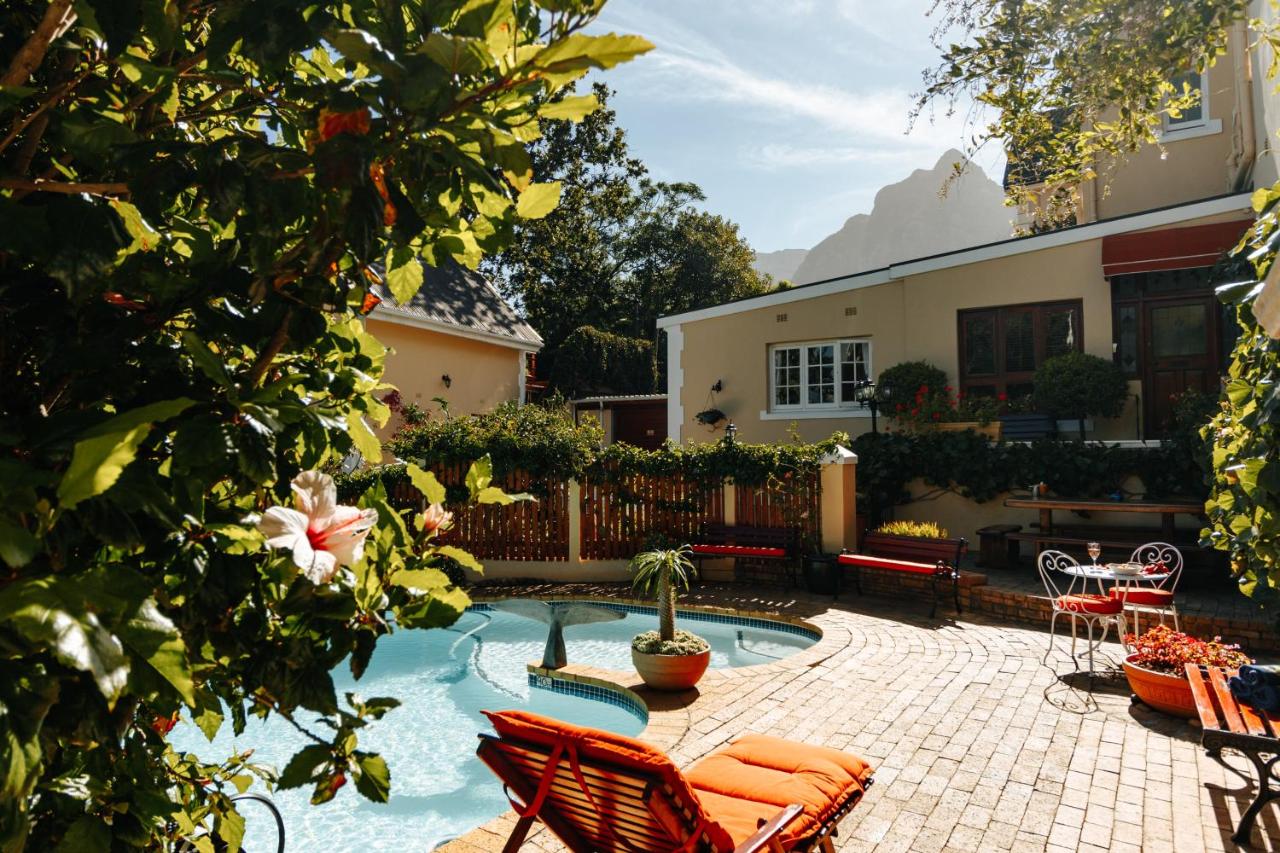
(444,677)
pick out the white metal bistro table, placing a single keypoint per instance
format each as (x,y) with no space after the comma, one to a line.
(1103,573)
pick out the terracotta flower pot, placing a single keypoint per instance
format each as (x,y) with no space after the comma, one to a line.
(1160,690)
(671,672)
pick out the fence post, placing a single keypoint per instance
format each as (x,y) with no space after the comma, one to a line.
(839,500)
(575,522)
(730,492)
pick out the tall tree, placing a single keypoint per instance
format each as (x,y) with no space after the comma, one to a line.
(1076,84)
(621,249)
(194,200)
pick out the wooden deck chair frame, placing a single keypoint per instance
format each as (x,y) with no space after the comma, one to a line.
(645,815)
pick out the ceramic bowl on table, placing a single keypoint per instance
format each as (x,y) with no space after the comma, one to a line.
(1131,570)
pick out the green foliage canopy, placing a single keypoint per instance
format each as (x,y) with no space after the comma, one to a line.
(621,249)
(194,199)
(590,361)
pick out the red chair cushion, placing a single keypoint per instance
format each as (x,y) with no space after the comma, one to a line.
(756,776)
(738,551)
(1087,602)
(870,562)
(1142,595)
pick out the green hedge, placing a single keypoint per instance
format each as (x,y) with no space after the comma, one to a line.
(591,361)
(969,464)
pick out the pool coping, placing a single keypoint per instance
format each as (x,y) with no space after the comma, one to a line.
(668,713)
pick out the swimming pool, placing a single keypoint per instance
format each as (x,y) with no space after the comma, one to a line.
(444,677)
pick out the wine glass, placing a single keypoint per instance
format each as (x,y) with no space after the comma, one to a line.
(1095,551)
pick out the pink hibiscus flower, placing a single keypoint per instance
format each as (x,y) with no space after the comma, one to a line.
(321,533)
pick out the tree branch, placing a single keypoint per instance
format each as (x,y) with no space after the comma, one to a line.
(62,187)
(57,18)
(272,350)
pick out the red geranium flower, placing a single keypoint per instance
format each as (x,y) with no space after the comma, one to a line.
(1002,397)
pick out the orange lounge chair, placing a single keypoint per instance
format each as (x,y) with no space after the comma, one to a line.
(605,793)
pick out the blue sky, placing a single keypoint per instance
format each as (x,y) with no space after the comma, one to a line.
(789,114)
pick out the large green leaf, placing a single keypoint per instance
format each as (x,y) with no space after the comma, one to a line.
(106,449)
(374,779)
(572,108)
(425,482)
(538,200)
(48,611)
(153,637)
(459,556)
(302,766)
(404,274)
(363,438)
(17,545)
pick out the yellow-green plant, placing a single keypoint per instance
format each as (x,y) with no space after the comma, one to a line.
(915,529)
(666,572)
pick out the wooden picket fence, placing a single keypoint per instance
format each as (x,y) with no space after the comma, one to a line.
(618,516)
(532,531)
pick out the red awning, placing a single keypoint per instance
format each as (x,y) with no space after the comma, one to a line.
(1171,249)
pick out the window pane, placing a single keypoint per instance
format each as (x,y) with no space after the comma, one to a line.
(980,345)
(786,376)
(1061,327)
(1179,330)
(1191,115)
(1019,342)
(821,376)
(1127,338)
(853,369)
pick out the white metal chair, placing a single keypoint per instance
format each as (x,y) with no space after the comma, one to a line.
(1156,597)
(1094,609)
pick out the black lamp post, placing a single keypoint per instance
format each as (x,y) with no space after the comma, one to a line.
(870,396)
(730,432)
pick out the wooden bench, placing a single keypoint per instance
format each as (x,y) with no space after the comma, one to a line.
(741,541)
(937,558)
(1027,427)
(1228,723)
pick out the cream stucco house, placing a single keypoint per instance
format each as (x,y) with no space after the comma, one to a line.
(457,340)
(1130,282)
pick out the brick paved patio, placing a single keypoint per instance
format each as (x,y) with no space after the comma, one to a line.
(977,745)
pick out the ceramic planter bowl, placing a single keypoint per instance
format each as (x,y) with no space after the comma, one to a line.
(671,672)
(1168,693)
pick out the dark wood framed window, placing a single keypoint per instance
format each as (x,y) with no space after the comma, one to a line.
(1001,347)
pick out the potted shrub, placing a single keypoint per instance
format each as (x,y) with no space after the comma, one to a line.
(1076,386)
(1157,667)
(667,659)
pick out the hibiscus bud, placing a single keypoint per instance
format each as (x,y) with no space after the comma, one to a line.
(337,782)
(436,518)
(163,725)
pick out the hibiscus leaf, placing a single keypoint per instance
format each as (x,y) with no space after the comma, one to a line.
(425,482)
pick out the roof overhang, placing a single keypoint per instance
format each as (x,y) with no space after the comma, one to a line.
(1234,203)
(391,315)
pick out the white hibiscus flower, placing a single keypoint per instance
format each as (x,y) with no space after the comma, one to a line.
(321,534)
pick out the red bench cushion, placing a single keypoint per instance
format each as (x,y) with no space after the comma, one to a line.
(1082,602)
(1144,596)
(738,551)
(870,562)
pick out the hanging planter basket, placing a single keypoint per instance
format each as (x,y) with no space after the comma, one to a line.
(710,417)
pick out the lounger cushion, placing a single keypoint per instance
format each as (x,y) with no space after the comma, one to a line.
(1148,597)
(738,551)
(601,746)
(1100,605)
(867,561)
(757,775)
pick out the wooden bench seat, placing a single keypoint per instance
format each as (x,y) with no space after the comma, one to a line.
(1228,723)
(742,541)
(938,559)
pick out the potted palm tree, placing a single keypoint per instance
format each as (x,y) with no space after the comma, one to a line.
(667,659)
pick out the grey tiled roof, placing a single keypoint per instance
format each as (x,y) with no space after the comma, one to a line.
(456,296)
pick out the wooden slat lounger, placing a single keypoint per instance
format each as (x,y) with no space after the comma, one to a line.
(605,793)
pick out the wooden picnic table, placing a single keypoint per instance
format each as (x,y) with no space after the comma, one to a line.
(1167,510)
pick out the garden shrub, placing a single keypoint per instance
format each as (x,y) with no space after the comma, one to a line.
(591,361)
(913,529)
(1079,385)
(904,381)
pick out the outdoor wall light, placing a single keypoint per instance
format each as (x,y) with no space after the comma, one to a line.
(730,432)
(718,387)
(447,380)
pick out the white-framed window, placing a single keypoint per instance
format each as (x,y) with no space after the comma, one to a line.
(1194,120)
(817,374)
